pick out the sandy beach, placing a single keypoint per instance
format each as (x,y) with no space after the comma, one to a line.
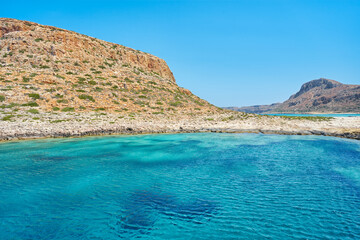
(50,125)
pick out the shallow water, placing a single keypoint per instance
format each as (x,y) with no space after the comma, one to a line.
(199,186)
(315,115)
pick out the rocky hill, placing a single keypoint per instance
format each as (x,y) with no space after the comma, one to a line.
(320,95)
(44,68)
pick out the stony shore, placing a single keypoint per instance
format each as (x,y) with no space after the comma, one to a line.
(50,125)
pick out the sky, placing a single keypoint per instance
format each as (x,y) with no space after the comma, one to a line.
(228,52)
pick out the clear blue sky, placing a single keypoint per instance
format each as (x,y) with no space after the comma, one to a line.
(231,53)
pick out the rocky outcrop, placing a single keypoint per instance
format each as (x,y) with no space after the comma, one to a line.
(320,95)
(321,83)
(54,69)
(59,43)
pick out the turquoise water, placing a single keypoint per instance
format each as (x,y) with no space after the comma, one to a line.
(184,186)
(315,115)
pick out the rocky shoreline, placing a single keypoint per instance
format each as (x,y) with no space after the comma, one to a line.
(59,83)
(49,125)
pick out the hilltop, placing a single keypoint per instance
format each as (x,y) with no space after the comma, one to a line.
(52,69)
(320,95)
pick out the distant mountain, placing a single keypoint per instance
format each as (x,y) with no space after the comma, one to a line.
(255,109)
(320,95)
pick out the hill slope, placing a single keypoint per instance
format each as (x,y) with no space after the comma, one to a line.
(59,70)
(320,95)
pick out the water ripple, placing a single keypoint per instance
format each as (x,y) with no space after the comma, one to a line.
(184,186)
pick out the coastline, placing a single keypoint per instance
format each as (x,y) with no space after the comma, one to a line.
(354,136)
(316,113)
(63,125)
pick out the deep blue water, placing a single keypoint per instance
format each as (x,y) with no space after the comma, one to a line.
(315,115)
(184,186)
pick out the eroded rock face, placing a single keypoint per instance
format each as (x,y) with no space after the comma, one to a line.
(70,70)
(323,95)
(321,83)
(66,44)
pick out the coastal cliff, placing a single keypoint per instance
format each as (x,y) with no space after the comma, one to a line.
(52,69)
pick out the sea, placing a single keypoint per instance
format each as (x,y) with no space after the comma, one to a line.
(181,186)
(315,115)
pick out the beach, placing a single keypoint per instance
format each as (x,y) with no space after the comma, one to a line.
(50,125)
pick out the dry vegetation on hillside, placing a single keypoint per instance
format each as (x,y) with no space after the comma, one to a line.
(50,69)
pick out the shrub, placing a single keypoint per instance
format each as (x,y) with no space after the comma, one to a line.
(57,121)
(30,104)
(86,97)
(68,109)
(2,98)
(198,103)
(59,76)
(152,82)
(175,104)
(11,105)
(7,118)
(128,80)
(310,118)
(92,82)
(33,111)
(55,109)
(39,40)
(34,96)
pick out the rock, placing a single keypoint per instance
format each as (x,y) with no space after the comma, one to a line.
(320,95)
(78,73)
